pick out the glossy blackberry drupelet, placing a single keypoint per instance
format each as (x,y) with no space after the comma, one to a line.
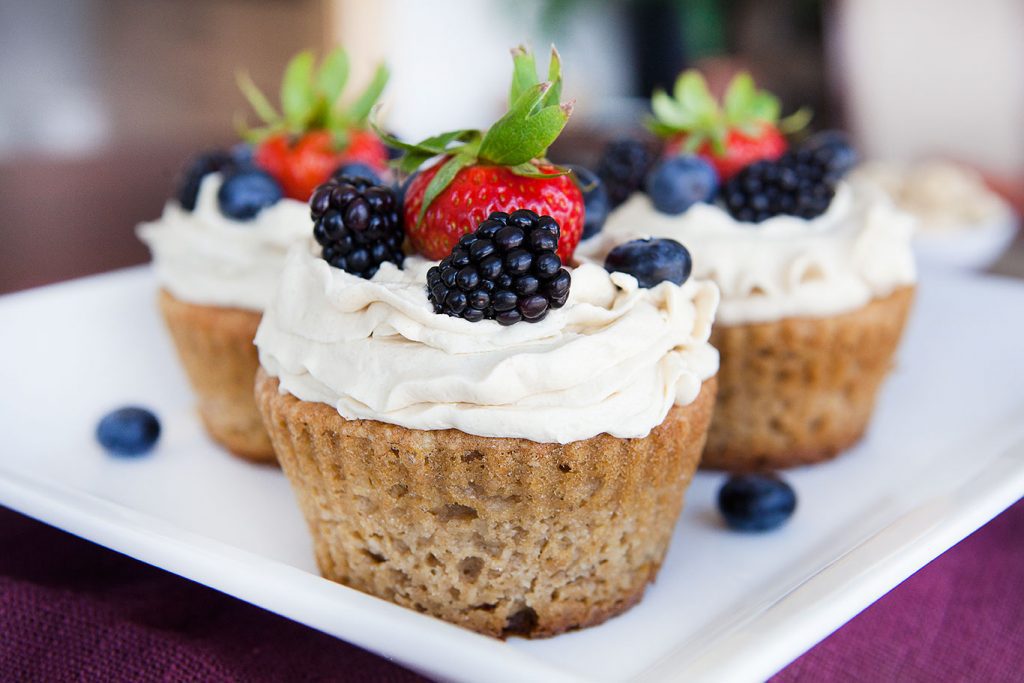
(198,168)
(799,183)
(358,224)
(623,167)
(651,261)
(129,431)
(507,270)
(756,502)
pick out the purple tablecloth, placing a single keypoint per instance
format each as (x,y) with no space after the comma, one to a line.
(71,610)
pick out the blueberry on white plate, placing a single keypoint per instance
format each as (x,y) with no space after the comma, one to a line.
(129,431)
(756,502)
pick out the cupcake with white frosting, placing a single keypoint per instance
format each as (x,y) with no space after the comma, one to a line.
(221,242)
(816,278)
(493,438)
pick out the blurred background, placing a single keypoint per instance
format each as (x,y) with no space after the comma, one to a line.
(103,100)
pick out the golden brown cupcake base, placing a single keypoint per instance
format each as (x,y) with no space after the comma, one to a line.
(500,535)
(215,347)
(800,390)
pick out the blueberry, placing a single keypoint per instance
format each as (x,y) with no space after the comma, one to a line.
(651,261)
(357,169)
(756,502)
(247,191)
(243,154)
(833,148)
(596,204)
(128,431)
(198,168)
(678,183)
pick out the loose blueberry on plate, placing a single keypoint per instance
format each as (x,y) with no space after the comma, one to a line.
(595,199)
(358,224)
(198,168)
(756,502)
(651,261)
(679,182)
(507,270)
(622,168)
(357,169)
(245,192)
(129,431)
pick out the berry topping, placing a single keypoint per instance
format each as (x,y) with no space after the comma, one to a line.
(756,502)
(651,261)
(358,225)
(245,192)
(798,184)
(357,169)
(744,129)
(198,168)
(833,148)
(623,166)
(502,169)
(677,183)
(128,431)
(507,270)
(595,199)
(302,146)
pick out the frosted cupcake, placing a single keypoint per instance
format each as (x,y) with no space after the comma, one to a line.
(221,242)
(816,279)
(492,438)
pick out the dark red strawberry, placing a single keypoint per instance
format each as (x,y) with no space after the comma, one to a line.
(502,169)
(305,145)
(744,129)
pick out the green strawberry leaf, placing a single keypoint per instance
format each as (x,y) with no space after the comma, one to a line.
(668,113)
(691,91)
(297,97)
(442,179)
(361,108)
(259,102)
(796,121)
(526,130)
(764,107)
(739,98)
(524,74)
(554,95)
(529,170)
(332,76)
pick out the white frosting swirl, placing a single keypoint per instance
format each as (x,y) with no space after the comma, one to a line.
(785,266)
(614,359)
(204,257)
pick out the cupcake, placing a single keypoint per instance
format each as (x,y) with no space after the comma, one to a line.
(816,275)
(221,242)
(494,439)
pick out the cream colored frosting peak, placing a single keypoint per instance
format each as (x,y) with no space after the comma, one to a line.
(204,257)
(785,266)
(614,359)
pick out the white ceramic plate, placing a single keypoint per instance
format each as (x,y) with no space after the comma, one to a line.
(975,247)
(944,455)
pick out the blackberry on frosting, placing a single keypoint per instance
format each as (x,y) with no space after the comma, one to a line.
(357,224)
(506,270)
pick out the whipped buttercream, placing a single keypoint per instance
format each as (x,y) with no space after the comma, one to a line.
(614,359)
(204,257)
(785,266)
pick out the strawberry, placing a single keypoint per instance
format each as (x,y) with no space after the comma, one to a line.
(744,129)
(479,189)
(302,148)
(502,169)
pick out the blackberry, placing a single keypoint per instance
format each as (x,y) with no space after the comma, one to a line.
(799,183)
(506,270)
(623,167)
(198,168)
(358,225)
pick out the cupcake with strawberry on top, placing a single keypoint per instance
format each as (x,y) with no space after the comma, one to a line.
(479,430)
(221,242)
(816,274)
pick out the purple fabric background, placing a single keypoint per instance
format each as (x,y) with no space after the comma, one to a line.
(71,610)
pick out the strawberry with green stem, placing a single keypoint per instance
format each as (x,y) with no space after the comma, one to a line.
(745,128)
(502,169)
(314,135)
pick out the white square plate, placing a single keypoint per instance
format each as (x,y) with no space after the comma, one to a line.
(944,455)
